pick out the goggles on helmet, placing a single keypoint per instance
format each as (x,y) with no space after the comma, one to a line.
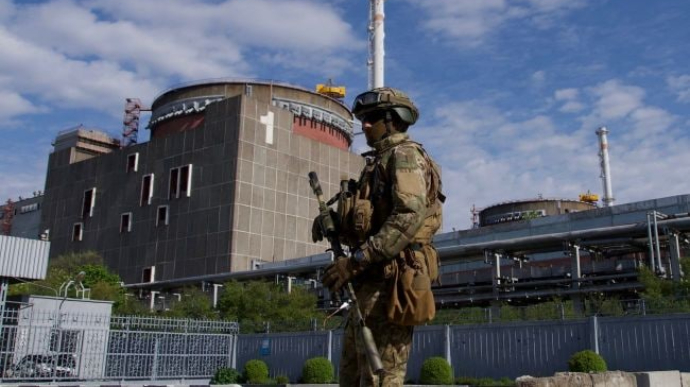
(385,99)
(369,99)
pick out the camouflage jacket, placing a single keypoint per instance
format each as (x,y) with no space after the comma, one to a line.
(404,184)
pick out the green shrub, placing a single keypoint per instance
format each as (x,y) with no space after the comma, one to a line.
(317,370)
(465,380)
(435,371)
(225,375)
(282,379)
(255,372)
(586,361)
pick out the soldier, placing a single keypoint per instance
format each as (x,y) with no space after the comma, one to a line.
(396,213)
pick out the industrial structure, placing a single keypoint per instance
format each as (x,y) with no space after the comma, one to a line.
(566,255)
(221,186)
(375,63)
(220,192)
(605,166)
(529,209)
(21,218)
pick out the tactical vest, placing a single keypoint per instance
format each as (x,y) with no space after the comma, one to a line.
(366,204)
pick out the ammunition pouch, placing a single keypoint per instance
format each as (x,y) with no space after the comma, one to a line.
(411,299)
(362,214)
(355,213)
(430,257)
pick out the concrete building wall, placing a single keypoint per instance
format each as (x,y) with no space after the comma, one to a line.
(275,206)
(25,217)
(249,200)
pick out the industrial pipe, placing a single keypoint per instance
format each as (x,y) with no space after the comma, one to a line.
(605,167)
(376,50)
(553,240)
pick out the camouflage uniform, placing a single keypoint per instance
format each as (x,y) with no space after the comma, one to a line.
(399,182)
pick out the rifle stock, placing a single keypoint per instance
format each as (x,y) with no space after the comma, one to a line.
(330,231)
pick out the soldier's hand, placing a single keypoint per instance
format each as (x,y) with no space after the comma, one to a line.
(339,272)
(317,230)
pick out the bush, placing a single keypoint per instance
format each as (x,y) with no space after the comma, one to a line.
(255,372)
(317,370)
(225,375)
(586,361)
(435,371)
(282,379)
(470,381)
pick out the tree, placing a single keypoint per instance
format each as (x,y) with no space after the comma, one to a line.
(255,302)
(193,304)
(104,284)
(662,295)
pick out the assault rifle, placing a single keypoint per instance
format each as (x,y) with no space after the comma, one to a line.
(330,232)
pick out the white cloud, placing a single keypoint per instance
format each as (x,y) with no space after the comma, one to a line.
(52,78)
(489,156)
(13,104)
(23,170)
(570,96)
(566,94)
(681,86)
(572,107)
(650,120)
(7,10)
(538,77)
(616,100)
(300,25)
(471,21)
(93,54)
(75,32)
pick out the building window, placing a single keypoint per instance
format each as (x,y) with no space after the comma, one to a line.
(180,182)
(77,232)
(148,274)
(126,222)
(88,203)
(132,162)
(162,217)
(146,190)
(28,208)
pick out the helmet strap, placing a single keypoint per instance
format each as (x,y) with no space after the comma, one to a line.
(389,123)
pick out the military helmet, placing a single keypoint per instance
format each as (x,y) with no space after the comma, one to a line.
(385,98)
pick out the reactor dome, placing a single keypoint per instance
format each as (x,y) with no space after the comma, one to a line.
(529,209)
(317,116)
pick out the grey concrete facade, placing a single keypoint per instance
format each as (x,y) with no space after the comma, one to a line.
(25,217)
(249,199)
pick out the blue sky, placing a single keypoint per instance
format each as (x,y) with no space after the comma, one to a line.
(510,92)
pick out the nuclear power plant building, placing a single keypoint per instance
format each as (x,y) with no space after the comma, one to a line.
(221,185)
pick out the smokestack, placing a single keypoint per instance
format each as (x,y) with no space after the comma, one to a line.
(376,52)
(605,167)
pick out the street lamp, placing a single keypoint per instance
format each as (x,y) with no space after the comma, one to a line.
(77,280)
(58,320)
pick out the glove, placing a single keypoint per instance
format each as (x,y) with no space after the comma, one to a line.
(317,227)
(338,273)
(317,230)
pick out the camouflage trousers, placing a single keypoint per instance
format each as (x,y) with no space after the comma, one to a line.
(393,342)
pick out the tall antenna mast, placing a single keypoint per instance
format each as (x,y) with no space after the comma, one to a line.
(605,167)
(376,52)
